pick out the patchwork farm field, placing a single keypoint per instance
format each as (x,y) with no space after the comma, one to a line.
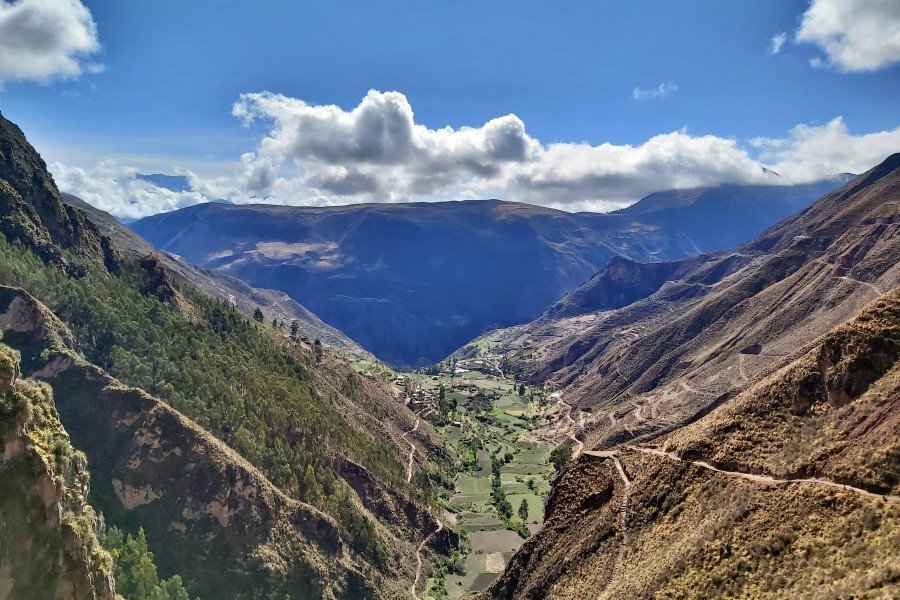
(491,427)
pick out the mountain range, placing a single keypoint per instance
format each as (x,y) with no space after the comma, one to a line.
(733,418)
(704,401)
(412,282)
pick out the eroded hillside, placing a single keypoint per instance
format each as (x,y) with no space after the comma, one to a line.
(790,489)
(698,331)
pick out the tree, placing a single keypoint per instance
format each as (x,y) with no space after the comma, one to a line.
(294,328)
(274,323)
(521,389)
(560,456)
(317,349)
(523,510)
(257,315)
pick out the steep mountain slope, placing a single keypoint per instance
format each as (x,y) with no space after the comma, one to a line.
(32,211)
(410,282)
(279,506)
(215,284)
(48,550)
(714,322)
(226,527)
(790,489)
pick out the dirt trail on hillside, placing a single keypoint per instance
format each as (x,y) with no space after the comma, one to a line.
(579,445)
(623,510)
(741,369)
(412,451)
(421,547)
(764,478)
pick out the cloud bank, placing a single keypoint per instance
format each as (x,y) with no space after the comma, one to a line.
(45,39)
(855,35)
(117,189)
(377,152)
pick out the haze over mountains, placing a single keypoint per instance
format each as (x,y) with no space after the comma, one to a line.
(412,282)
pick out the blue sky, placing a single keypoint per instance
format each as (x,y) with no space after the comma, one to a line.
(173,71)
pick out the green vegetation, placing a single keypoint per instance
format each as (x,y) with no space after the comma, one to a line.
(249,386)
(43,504)
(500,469)
(134,569)
(560,456)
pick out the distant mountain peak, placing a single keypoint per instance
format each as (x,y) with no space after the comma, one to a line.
(174,183)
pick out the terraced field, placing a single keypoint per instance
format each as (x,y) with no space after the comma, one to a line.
(490,419)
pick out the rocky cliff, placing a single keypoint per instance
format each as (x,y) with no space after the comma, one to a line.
(48,547)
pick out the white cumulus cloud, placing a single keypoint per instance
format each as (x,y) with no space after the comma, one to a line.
(116,189)
(377,152)
(44,39)
(660,91)
(814,151)
(855,35)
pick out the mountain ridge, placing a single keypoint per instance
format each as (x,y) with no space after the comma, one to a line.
(733,427)
(411,282)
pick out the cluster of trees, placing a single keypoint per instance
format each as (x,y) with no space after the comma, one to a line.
(498,496)
(446,402)
(560,456)
(229,374)
(501,504)
(134,570)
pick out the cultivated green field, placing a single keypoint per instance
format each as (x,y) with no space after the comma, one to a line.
(502,429)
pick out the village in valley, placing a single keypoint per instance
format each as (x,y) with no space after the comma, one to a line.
(492,424)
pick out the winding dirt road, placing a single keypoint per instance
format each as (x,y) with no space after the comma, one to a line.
(765,479)
(579,445)
(421,547)
(741,369)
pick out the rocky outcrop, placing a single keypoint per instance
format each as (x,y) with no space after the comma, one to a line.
(32,211)
(734,504)
(48,547)
(158,282)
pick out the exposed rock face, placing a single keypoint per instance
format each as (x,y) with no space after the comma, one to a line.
(158,282)
(48,550)
(32,211)
(394,510)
